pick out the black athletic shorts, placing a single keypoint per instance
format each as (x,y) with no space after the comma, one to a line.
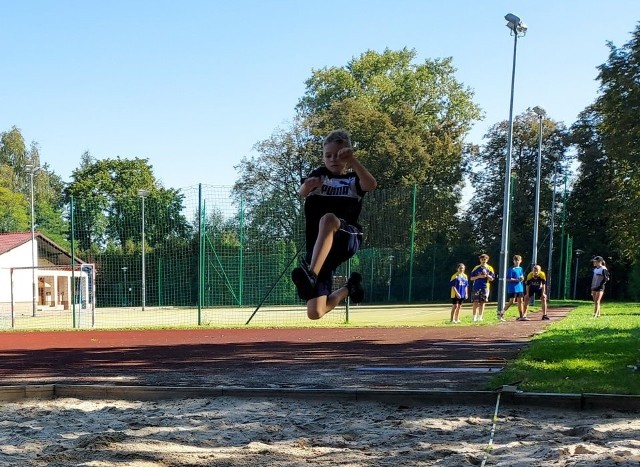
(480,295)
(346,243)
(536,293)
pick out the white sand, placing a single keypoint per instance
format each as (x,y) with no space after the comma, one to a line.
(289,432)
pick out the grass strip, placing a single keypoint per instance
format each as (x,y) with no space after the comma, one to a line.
(582,354)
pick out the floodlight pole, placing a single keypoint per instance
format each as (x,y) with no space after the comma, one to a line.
(518,28)
(536,210)
(143,194)
(31,170)
(536,213)
(551,231)
(126,291)
(575,279)
(389,283)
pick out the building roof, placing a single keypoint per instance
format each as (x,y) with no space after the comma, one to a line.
(9,241)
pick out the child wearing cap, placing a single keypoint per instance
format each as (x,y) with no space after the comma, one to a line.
(599,278)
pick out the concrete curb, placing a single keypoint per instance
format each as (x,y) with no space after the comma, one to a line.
(587,401)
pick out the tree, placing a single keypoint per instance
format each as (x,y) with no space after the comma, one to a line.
(14,157)
(268,184)
(407,121)
(603,204)
(47,186)
(13,211)
(617,108)
(107,207)
(487,179)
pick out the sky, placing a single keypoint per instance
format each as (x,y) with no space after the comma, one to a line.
(193,85)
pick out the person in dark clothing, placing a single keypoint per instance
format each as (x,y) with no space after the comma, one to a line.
(333,201)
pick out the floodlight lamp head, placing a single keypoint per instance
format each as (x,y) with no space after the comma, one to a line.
(539,111)
(515,24)
(512,18)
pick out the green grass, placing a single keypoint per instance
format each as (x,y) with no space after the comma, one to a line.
(580,354)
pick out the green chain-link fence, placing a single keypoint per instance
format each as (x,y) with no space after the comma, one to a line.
(208,260)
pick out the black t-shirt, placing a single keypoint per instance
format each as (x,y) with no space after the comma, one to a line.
(339,194)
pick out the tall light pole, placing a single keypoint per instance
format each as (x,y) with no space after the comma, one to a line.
(31,170)
(536,214)
(518,29)
(143,194)
(126,292)
(389,282)
(575,279)
(551,231)
(536,209)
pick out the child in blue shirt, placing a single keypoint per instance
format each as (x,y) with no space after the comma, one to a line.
(482,275)
(515,289)
(459,285)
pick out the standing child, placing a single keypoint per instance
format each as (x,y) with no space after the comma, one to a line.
(515,288)
(598,280)
(459,285)
(482,276)
(536,287)
(333,201)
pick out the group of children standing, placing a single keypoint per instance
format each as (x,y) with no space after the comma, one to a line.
(519,289)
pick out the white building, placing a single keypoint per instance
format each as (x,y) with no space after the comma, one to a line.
(53,274)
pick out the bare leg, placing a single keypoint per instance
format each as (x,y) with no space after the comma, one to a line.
(525,306)
(329,225)
(453,311)
(320,306)
(597,297)
(520,306)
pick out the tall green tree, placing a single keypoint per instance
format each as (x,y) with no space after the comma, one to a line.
(267,189)
(618,107)
(487,180)
(603,204)
(409,119)
(15,157)
(589,215)
(408,122)
(13,211)
(108,209)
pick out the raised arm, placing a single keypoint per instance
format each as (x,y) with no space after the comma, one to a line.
(367,181)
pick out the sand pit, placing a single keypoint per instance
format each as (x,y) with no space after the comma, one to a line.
(227,431)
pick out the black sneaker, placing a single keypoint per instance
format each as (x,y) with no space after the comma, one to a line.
(305,282)
(354,285)
(545,317)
